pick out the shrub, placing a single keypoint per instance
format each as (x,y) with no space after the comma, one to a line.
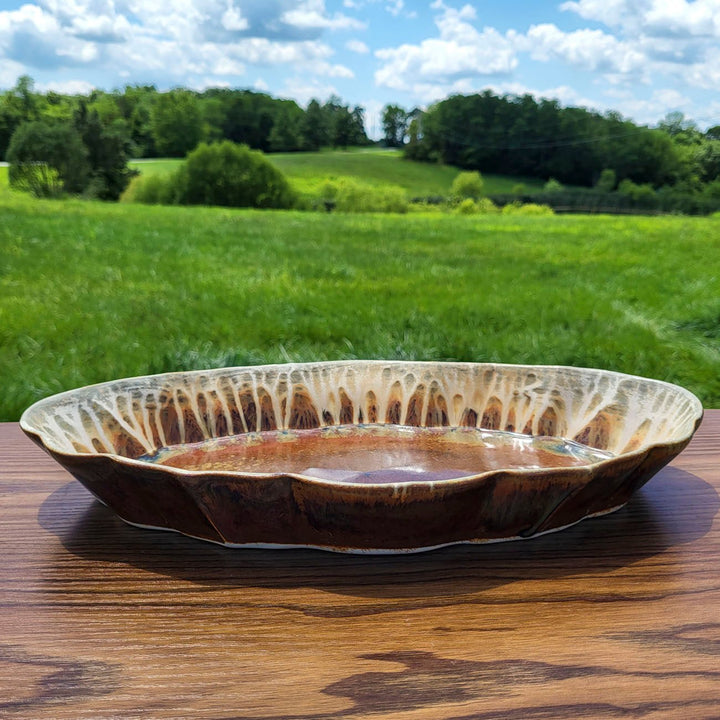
(486,206)
(230,175)
(153,190)
(467,207)
(222,174)
(635,191)
(527,209)
(47,159)
(553,185)
(518,189)
(426,208)
(352,196)
(607,181)
(467,185)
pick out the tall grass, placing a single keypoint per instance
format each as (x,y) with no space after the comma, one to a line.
(92,291)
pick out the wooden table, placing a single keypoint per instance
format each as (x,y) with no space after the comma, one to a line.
(617,617)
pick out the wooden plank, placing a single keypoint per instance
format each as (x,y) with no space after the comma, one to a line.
(615,617)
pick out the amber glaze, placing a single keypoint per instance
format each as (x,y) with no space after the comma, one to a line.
(378,454)
(102,433)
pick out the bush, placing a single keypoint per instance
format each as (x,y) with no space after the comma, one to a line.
(351,196)
(467,207)
(486,206)
(152,190)
(519,189)
(47,159)
(426,208)
(483,206)
(553,185)
(230,175)
(527,209)
(635,191)
(467,185)
(223,174)
(607,181)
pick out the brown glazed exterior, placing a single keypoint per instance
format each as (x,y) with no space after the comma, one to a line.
(99,432)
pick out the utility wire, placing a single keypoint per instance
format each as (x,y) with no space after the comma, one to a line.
(545,145)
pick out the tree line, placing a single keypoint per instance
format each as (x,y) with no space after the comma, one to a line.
(87,140)
(98,133)
(522,136)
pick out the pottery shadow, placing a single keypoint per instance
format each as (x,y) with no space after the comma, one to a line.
(675,508)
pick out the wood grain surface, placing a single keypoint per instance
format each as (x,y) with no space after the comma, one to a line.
(617,617)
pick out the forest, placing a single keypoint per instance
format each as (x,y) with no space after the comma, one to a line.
(88,139)
(525,137)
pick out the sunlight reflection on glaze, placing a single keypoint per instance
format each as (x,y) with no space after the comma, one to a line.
(378,453)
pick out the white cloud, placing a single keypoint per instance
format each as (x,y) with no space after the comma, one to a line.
(67,87)
(233,20)
(700,18)
(706,74)
(10,71)
(312,14)
(460,52)
(654,107)
(609,12)
(227,66)
(303,91)
(357,46)
(587,49)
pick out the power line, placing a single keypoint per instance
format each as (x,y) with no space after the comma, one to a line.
(545,145)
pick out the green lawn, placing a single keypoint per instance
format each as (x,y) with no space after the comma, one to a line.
(92,291)
(376,166)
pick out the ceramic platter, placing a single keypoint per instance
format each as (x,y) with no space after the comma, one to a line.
(366,456)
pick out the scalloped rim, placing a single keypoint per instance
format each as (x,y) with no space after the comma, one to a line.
(31,430)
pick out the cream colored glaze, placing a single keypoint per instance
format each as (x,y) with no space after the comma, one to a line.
(136,416)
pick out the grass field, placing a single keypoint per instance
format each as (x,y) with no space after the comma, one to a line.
(386,167)
(92,291)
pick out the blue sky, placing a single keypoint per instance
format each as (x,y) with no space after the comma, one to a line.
(644,58)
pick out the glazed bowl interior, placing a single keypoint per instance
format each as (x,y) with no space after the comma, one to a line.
(404,439)
(134,418)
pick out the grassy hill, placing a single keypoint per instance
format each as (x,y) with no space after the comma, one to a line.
(372,165)
(94,291)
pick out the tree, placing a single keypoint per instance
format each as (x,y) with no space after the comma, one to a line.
(707,161)
(47,159)
(108,150)
(680,128)
(285,134)
(314,127)
(358,134)
(343,129)
(395,125)
(17,106)
(607,181)
(177,124)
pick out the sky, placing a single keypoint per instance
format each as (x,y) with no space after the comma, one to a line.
(642,58)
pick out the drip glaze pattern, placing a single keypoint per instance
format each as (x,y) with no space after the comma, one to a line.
(99,432)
